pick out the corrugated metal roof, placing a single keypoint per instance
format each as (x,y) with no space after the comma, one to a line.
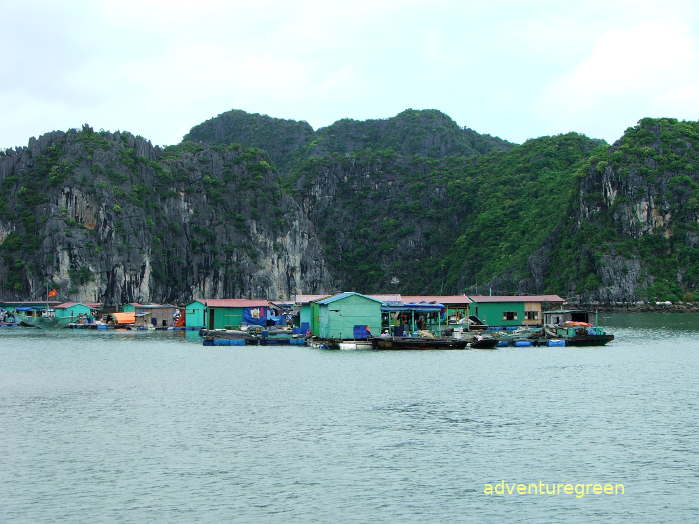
(236,302)
(66,305)
(346,294)
(516,298)
(305,299)
(441,299)
(386,298)
(154,306)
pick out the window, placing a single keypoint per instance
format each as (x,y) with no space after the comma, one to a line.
(531,315)
(509,315)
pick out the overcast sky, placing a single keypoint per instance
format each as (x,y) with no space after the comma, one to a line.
(514,69)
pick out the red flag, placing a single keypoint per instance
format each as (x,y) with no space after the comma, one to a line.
(52,293)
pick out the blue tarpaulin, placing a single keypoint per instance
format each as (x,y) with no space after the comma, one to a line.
(361,332)
(255,316)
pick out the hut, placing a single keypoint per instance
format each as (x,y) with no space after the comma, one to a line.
(161,315)
(231,313)
(511,311)
(346,316)
(75,311)
(195,314)
(303,303)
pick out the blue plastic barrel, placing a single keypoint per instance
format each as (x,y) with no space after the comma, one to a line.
(556,343)
(503,343)
(229,342)
(523,343)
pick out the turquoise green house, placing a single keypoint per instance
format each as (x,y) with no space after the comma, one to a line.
(72,310)
(512,310)
(344,316)
(228,313)
(195,313)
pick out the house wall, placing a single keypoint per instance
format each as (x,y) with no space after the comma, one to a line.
(315,320)
(224,317)
(492,312)
(535,307)
(73,311)
(305,314)
(338,318)
(195,315)
(159,314)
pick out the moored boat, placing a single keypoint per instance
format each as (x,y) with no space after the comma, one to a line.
(416,343)
(45,318)
(574,327)
(483,343)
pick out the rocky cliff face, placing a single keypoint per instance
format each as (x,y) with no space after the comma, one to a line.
(108,217)
(635,218)
(412,204)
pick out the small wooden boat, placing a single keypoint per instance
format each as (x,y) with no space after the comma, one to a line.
(417,343)
(483,343)
(574,326)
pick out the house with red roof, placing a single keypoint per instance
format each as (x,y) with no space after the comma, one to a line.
(512,310)
(228,313)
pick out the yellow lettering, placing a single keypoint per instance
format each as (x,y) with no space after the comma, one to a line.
(616,489)
(500,488)
(535,486)
(608,489)
(579,491)
(488,489)
(521,489)
(568,489)
(597,489)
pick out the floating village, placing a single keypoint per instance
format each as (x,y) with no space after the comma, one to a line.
(346,320)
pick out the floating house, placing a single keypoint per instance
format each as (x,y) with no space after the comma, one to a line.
(229,313)
(195,314)
(512,311)
(77,310)
(346,316)
(161,315)
(303,303)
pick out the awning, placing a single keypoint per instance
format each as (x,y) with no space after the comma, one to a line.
(412,306)
(124,318)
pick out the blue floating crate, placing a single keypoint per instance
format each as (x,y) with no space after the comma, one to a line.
(102,326)
(502,343)
(556,343)
(523,343)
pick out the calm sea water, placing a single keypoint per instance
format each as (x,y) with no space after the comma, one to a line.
(144,427)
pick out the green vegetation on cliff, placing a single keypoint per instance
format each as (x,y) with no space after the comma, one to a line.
(249,204)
